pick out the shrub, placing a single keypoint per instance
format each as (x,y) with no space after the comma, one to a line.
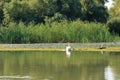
(114,25)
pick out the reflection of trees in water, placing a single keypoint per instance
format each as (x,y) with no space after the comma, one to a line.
(114,62)
(80,66)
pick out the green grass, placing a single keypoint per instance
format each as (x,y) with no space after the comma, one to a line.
(74,31)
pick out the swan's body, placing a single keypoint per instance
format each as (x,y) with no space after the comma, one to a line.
(68,49)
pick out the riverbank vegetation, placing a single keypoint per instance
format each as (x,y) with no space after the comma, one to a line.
(38,21)
(64,31)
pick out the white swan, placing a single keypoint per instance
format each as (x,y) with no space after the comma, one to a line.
(68,49)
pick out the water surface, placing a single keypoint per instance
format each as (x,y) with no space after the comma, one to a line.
(57,66)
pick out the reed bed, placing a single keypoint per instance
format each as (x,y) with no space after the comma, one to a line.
(56,32)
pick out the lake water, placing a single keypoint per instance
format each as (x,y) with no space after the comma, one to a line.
(57,66)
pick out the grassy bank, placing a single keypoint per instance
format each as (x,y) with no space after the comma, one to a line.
(64,31)
(108,49)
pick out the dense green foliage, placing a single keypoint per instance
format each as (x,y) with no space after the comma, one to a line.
(114,19)
(94,10)
(38,10)
(115,11)
(35,21)
(1,11)
(65,31)
(114,25)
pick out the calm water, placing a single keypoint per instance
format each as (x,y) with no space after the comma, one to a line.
(58,66)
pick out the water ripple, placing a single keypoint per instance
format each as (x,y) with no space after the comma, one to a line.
(15,77)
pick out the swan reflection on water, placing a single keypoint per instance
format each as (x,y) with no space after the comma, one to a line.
(109,75)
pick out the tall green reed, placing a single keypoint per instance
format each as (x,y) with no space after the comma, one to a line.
(64,31)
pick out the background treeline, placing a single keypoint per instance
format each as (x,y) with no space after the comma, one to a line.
(38,10)
(31,21)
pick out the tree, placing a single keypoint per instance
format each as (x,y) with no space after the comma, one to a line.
(37,10)
(115,10)
(18,11)
(114,25)
(43,8)
(71,8)
(2,2)
(114,20)
(94,10)
(1,15)
(1,11)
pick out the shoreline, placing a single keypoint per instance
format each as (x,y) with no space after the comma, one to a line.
(110,49)
(107,46)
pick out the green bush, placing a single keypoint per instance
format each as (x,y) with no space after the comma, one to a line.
(114,25)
